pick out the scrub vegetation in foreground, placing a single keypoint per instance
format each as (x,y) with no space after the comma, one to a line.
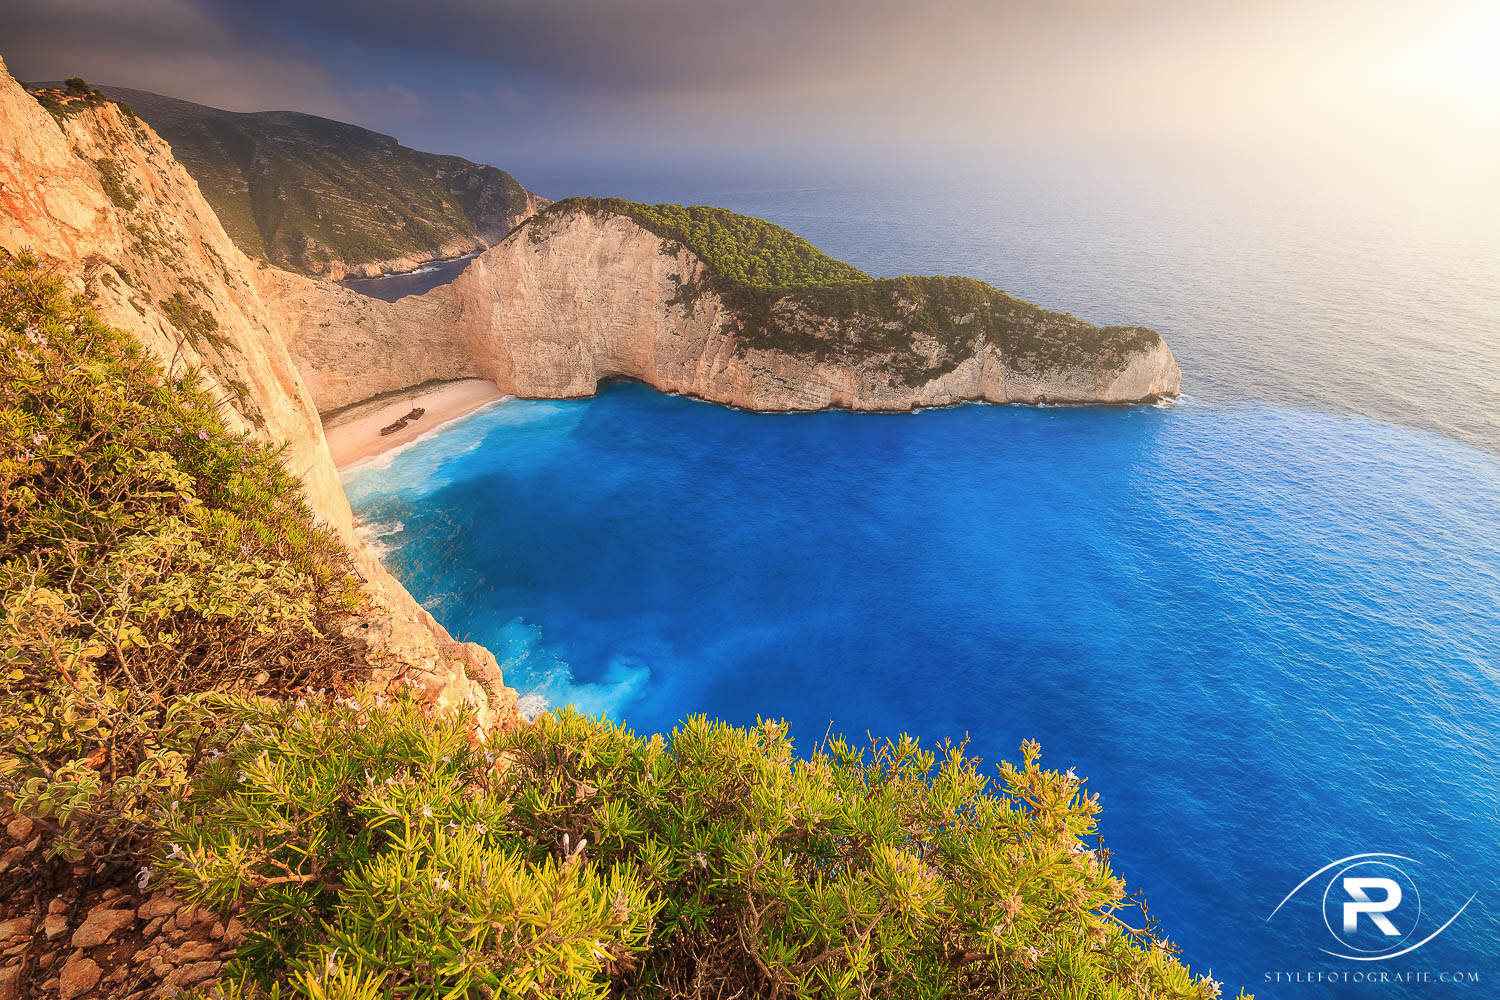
(174,701)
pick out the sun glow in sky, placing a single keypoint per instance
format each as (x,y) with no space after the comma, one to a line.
(1396,95)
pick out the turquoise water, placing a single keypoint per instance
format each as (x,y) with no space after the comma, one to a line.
(1268,635)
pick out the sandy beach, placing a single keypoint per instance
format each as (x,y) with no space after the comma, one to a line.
(354,433)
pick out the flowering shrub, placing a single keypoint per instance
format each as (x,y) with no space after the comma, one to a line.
(145,552)
(381,846)
(371,845)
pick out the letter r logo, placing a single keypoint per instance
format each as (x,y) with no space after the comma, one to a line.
(1377,910)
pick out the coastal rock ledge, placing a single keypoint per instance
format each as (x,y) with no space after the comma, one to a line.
(578,295)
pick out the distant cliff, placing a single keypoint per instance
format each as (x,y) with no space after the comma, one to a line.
(709,304)
(324,197)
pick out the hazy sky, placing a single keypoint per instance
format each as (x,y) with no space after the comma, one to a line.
(1351,91)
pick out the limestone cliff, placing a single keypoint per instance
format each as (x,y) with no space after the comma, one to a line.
(95,192)
(575,296)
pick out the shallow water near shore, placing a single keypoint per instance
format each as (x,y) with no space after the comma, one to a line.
(1269,636)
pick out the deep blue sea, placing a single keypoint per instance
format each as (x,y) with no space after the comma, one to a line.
(1263,622)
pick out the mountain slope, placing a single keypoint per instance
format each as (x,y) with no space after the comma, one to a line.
(324,197)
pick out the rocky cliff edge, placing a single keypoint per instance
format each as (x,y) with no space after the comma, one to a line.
(96,194)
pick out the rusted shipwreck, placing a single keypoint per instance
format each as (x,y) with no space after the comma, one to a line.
(415,414)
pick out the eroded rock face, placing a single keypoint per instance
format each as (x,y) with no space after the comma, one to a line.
(97,194)
(575,298)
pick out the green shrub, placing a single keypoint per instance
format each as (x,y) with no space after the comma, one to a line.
(372,838)
(738,248)
(119,191)
(570,858)
(145,553)
(192,320)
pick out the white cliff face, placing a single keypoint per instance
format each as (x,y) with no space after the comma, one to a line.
(99,197)
(574,298)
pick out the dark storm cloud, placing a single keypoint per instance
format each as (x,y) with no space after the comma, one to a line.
(609,47)
(458,73)
(859,80)
(644,46)
(199,50)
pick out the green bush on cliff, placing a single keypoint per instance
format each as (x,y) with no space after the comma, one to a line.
(739,248)
(378,849)
(145,553)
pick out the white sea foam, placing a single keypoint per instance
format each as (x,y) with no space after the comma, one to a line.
(1168,402)
(375,533)
(546,681)
(531,705)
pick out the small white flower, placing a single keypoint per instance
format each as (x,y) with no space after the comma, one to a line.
(427,812)
(441,884)
(143,878)
(702,859)
(481,829)
(175,852)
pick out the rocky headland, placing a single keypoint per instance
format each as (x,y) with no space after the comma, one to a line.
(583,292)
